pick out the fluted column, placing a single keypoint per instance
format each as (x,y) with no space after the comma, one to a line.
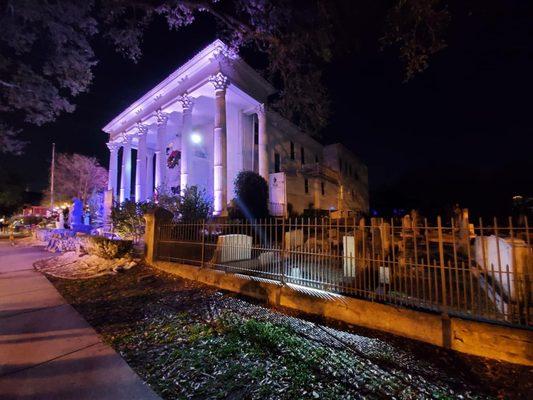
(113,170)
(160,152)
(188,104)
(263,142)
(140,174)
(220,82)
(150,174)
(125,181)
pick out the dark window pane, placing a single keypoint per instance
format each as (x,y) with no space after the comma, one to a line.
(292,150)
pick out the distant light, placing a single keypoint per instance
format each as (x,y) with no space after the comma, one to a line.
(196,138)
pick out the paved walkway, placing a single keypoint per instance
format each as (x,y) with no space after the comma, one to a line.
(47,350)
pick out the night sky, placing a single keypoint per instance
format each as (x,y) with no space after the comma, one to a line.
(461,132)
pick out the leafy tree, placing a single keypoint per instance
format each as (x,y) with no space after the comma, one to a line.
(417,27)
(46,57)
(194,204)
(78,176)
(251,191)
(11,191)
(45,60)
(169,199)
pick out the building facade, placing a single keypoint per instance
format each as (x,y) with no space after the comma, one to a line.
(206,122)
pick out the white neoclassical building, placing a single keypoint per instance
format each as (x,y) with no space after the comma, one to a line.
(209,116)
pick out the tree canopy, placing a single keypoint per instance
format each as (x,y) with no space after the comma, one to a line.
(11,191)
(192,204)
(47,56)
(78,176)
(251,196)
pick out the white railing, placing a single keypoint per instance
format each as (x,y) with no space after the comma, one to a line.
(473,270)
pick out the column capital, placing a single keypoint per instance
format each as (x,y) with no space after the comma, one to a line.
(224,55)
(125,138)
(260,110)
(219,81)
(113,146)
(142,129)
(187,102)
(161,117)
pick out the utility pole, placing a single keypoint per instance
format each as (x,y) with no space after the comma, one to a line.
(52,176)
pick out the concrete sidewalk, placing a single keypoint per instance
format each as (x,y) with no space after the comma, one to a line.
(47,350)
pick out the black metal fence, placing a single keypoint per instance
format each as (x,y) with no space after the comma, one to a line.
(479,271)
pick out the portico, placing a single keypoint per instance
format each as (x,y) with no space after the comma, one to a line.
(200,108)
(206,122)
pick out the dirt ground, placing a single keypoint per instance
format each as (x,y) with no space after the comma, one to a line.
(192,341)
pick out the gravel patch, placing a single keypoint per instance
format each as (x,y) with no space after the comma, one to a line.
(72,265)
(191,341)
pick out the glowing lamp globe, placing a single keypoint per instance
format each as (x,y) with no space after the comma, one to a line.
(196,138)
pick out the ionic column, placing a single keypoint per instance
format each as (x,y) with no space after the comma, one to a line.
(220,82)
(113,170)
(160,152)
(125,181)
(187,103)
(263,142)
(140,175)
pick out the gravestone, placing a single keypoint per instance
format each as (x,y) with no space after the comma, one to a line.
(294,240)
(233,247)
(61,223)
(506,261)
(348,264)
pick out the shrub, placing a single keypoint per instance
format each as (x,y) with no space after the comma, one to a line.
(251,192)
(128,218)
(107,248)
(194,204)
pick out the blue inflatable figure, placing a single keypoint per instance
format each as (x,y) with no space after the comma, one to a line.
(77,224)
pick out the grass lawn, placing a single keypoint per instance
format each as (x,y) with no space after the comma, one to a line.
(191,341)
